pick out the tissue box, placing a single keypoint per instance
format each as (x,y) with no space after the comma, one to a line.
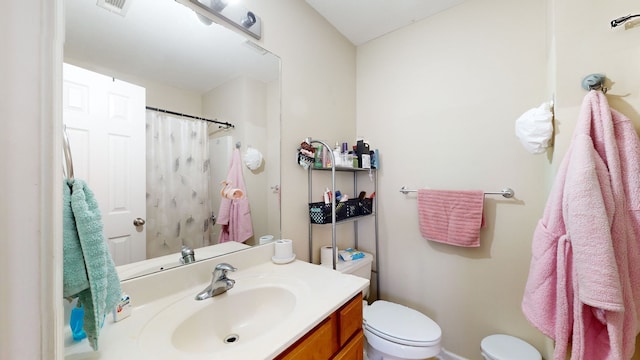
(350,254)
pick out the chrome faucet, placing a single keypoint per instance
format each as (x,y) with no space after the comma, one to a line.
(187,256)
(219,282)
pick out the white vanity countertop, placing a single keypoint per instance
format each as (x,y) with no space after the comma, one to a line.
(320,292)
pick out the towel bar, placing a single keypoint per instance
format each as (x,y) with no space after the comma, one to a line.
(67,153)
(506,192)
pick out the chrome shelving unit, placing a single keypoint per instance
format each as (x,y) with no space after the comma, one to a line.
(355,220)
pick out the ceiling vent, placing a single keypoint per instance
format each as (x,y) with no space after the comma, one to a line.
(119,7)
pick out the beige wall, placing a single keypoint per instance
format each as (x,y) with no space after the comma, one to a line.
(440,98)
(586,44)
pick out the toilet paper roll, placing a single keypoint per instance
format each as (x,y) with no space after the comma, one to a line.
(283,249)
(265,239)
(325,255)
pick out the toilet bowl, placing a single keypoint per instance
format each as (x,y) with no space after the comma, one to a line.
(506,347)
(393,331)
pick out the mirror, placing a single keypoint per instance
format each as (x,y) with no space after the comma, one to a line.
(189,68)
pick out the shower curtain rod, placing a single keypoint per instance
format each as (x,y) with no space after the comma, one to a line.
(225,125)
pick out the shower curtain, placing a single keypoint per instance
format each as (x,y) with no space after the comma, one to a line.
(178,206)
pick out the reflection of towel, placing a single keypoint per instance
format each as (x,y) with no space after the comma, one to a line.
(235,214)
(104,286)
(451,217)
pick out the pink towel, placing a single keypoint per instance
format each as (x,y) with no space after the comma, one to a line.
(451,217)
(235,213)
(583,287)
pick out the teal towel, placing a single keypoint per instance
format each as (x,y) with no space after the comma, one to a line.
(104,285)
(74,272)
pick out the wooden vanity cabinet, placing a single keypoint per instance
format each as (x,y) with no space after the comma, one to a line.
(338,337)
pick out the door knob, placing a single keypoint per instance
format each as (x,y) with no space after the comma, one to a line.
(138,222)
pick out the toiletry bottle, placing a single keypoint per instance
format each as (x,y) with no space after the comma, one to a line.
(354,157)
(336,155)
(362,148)
(345,158)
(326,158)
(318,157)
(76,322)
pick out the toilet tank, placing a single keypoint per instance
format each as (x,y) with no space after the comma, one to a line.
(359,267)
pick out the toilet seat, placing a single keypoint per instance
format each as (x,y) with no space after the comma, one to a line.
(506,347)
(400,324)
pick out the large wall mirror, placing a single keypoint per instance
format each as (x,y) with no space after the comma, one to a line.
(188,67)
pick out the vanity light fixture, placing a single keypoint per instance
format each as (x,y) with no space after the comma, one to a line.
(226,10)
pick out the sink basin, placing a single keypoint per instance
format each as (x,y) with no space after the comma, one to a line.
(233,318)
(256,306)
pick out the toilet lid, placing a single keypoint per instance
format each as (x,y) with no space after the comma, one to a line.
(506,347)
(400,324)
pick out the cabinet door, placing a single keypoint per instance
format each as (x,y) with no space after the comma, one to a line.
(319,344)
(354,350)
(350,318)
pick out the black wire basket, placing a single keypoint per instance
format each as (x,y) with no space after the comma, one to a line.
(320,213)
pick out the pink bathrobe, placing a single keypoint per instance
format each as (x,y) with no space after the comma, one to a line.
(235,215)
(583,289)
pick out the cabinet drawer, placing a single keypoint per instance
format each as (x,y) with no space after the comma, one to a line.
(350,318)
(319,344)
(354,349)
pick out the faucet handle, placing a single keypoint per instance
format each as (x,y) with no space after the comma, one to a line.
(224,267)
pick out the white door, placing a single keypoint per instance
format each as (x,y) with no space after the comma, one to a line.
(105,121)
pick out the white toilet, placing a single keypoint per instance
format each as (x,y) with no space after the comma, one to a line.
(506,347)
(393,331)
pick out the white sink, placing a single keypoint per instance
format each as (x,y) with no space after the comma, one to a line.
(234,318)
(256,306)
